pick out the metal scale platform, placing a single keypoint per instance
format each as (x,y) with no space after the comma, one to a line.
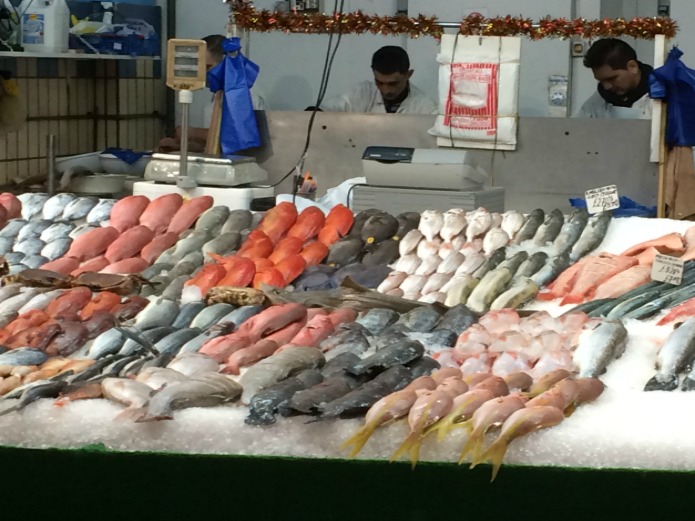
(409,179)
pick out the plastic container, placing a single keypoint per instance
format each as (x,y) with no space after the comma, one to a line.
(89,161)
(45,26)
(114,165)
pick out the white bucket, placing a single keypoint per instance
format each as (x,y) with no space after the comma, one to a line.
(45,26)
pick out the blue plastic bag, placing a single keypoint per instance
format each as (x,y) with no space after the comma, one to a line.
(628,208)
(235,76)
(675,84)
(127,155)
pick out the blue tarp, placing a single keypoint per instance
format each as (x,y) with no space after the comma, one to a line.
(628,208)
(675,84)
(235,76)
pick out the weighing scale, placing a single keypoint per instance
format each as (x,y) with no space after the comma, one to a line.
(199,174)
(414,179)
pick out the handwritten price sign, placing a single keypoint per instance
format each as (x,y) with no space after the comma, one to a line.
(602,199)
(668,269)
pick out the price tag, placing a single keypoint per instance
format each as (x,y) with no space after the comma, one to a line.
(667,269)
(602,199)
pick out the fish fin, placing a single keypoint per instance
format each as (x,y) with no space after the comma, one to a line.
(569,410)
(472,445)
(415,452)
(572,299)
(443,427)
(688,384)
(132,414)
(494,454)
(351,284)
(360,438)
(8,411)
(406,446)
(132,335)
(657,384)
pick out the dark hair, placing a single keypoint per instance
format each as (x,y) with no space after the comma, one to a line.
(214,42)
(609,51)
(391,59)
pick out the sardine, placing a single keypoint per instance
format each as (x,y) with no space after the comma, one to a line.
(598,347)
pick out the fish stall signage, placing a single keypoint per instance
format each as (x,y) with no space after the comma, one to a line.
(667,269)
(602,199)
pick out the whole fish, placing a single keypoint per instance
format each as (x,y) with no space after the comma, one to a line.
(36,392)
(58,230)
(435,283)
(362,274)
(392,281)
(187,313)
(196,258)
(81,230)
(473,263)
(378,228)
(29,247)
(6,245)
(337,365)
(155,270)
(408,264)
(32,204)
(571,232)
(378,319)
(514,262)
(407,221)
(181,268)
(15,303)
(101,212)
(12,228)
(512,221)
(128,392)
(34,261)
(454,224)
(157,378)
(138,342)
(553,267)
(55,206)
(108,343)
(191,244)
(423,366)
(56,248)
(17,268)
(675,354)
(240,315)
(359,221)
(550,228)
(32,230)
(479,222)
(457,319)
(429,266)
(431,223)
(420,320)
(238,221)
(23,356)
(344,252)
(222,244)
(213,220)
(158,313)
(592,236)
(408,244)
(531,224)
(192,364)
(265,405)
(495,239)
(490,287)
(460,290)
(172,343)
(79,208)
(532,265)
(397,353)
(41,301)
(494,260)
(174,289)
(355,343)
(451,263)
(277,367)
(211,315)
(311,400)
(598,347)
(522,290)
(385,253)
(14,257)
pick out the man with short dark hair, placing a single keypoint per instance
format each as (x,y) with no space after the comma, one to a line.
(623,88)
(390,92)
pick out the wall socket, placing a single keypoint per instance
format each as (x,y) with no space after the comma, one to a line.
(578,47)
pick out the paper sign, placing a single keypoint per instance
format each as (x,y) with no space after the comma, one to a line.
(667,269)
(602,199)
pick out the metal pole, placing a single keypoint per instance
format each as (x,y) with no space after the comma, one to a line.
(51,160)
(185,112)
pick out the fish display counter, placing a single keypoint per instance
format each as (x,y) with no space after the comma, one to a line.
(375,353)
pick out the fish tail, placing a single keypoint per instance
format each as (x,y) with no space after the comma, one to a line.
(443,427)
(494,454)
(131,414)
(663,383)
(8,411)
(406,446)
(473,442)
(360,438)
(569,410)
(415,452)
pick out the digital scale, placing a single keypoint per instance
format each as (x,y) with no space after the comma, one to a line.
(203,174)
(403,179)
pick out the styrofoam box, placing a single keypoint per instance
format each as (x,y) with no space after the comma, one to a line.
(234,198)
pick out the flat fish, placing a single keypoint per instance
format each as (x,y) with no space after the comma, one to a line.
(56,248)
(431,223)
(101,211)
(512,221)
(56,230)
(454,224)
(408,244)
(28,247)
(55,206)
(79,208)
(397,353)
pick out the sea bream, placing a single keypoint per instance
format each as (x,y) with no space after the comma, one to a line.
(408,244)
(431,223)
(454,223)
(512,221)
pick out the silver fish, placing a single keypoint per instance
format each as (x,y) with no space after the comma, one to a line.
(522,290)
(158,313)
(675,354)
(193,364)
(454,223)
(81,230)
(34,261)
(490,287)
(598,347)
(409,243)
(194,243)
(592,236)
(408,264)
(109,342)
(126,391)
(33,229)
(157,377)
(277,367)
(32,204)
(56,248)
(79,208)
(223,244)
(479,222)
(531,265)
(550,229)
(495,239)
(13,304)
(431,222)
(552,269)
(9,291)
(57,230)
(28,247)
(6,245)
(571,232)
(17,268)
(15,257)
(238,221)
(101,212)
(512,221)
(174,289)
(55,206)
(172,343)
(211,315)
(23,356)
(514,262)
(531,224)
(212,220)
(12,228)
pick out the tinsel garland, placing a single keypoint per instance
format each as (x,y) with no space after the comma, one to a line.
(249,18)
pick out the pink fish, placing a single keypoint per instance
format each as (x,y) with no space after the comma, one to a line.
(92,244)
(316,330)
(160,212)
(250,355)
(126,266)
(188,214)
(64,265)
(129,243)
(221,348)
(343,316)
(94,265)
(158,245)
(271,320)
(126,213)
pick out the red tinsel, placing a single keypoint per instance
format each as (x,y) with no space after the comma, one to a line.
(249,18)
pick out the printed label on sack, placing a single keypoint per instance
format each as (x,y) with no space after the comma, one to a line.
(667,269)
(473,97)
(602,199)
(33,29)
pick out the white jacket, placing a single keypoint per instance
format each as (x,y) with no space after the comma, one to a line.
(597,107)
(365,97)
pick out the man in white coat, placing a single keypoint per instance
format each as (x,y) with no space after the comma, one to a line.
(391,92)
(623,88)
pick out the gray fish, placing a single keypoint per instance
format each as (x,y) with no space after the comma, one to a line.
(33,229)
(17,268)
(435,340)
(195,257)
(514,263)
(187,313)
(238,221)
(29,247)
(160,283)
(378,228)
(134,368)
(240,315)
(195,242)
(457,319)
(367,276)
(407,221)
(181,268)
(158,313)
(522,290)
(309,401)
(9,291)
(496,258)
(398,353)
(344,252)
(32,204)
(12,228)
(58,230)
(114,370)
(341,336)
(359,221)
(424,366)
(161,361)
(23,356)
(551,270)
(391,335)
(192,364)
(571,232)
(202,391)
(211,315)
(155,270)
(337,365)
(136,344)
(172,343)
(356,345)
(550,229)
(265,405)
(213,220)
(94,370)
(13,304)
(79,208)
(222,244)
(531,224)
(675,354)
(531,265)
(361,399)
(598,347)
(42,390)
(101,211)
(55,206)
(174,289)
(277,367)
(15,257)
(194,345)
(6,245)
(592,236)
(490,287)
(378,319)
(81,230)
(34,261)
(384,254)
(420,320)
(56,249)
